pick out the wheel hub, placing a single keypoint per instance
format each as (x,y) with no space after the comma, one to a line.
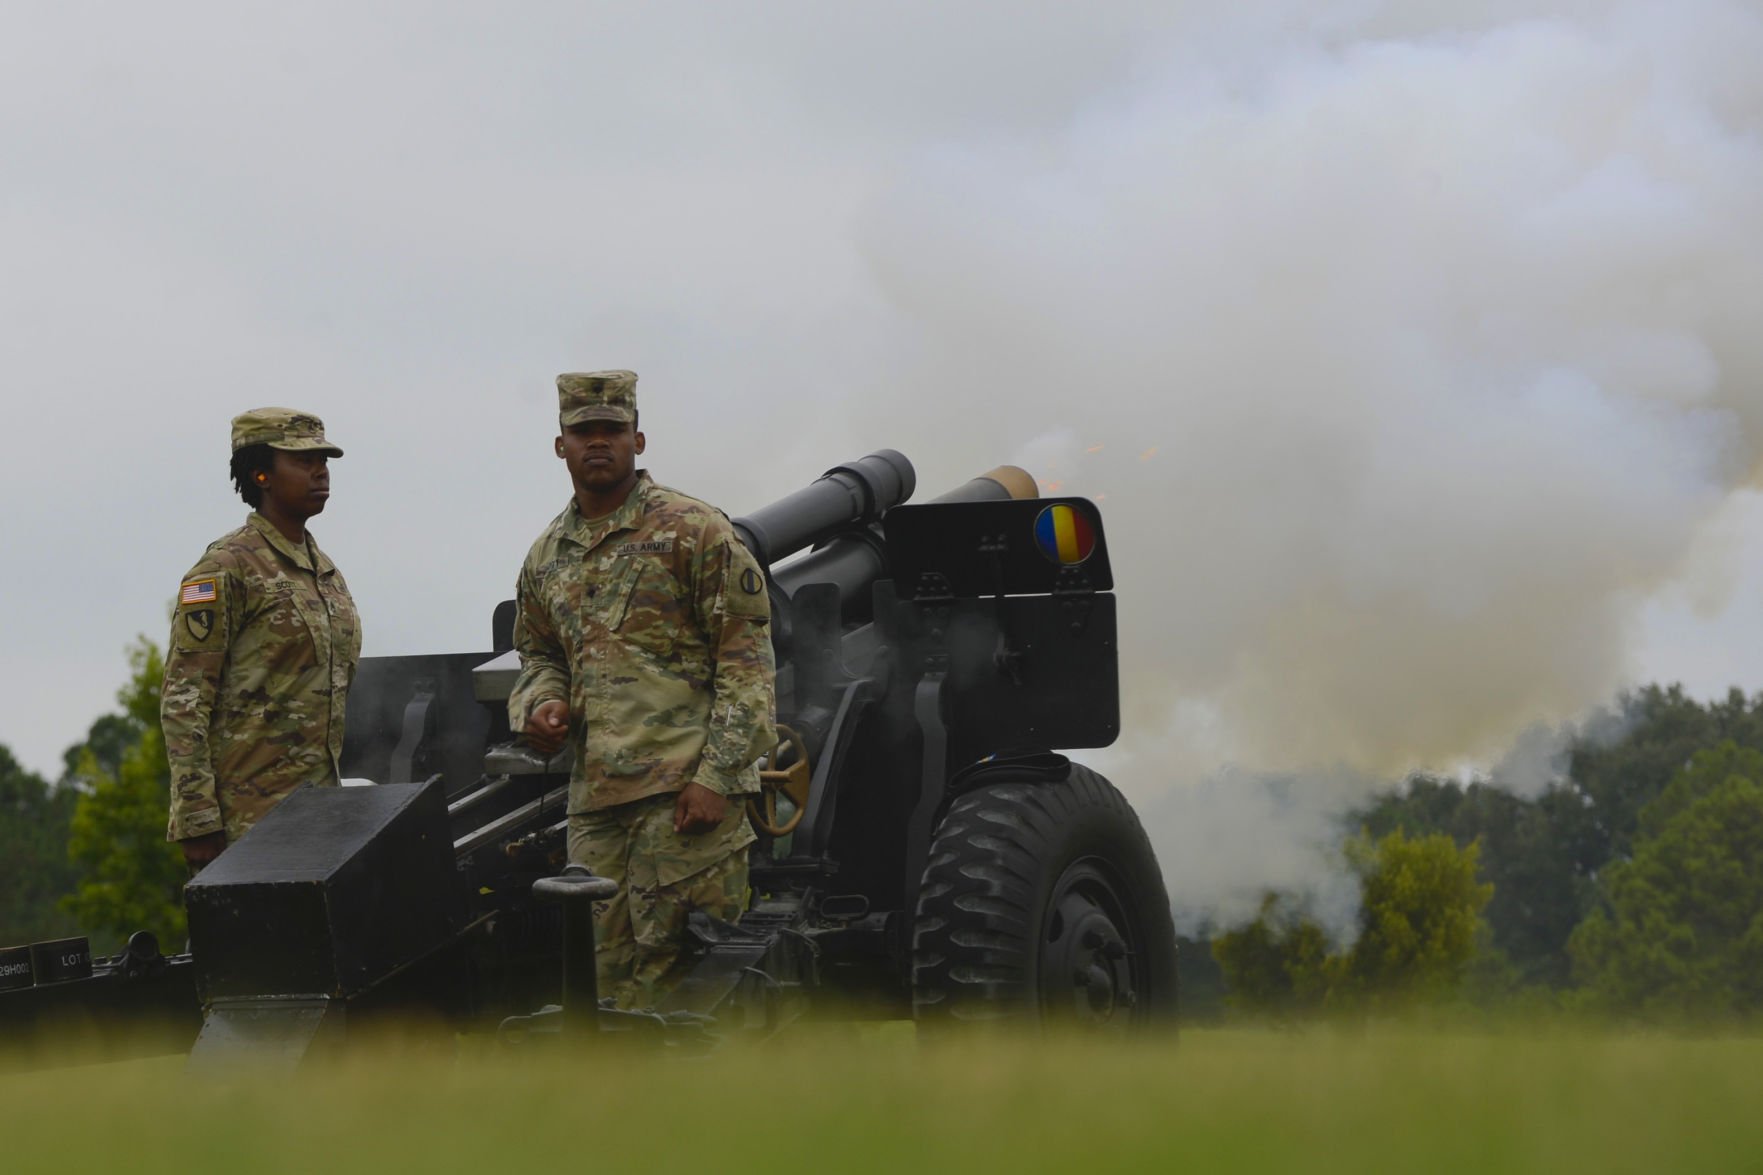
(1087,965)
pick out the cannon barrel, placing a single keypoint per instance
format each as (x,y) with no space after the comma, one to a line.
(856,558)
(1006,481)
(854,494)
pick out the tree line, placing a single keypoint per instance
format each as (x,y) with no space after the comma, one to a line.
(1633,885)
(87,854)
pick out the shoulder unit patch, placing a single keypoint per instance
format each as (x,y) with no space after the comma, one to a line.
(200,622)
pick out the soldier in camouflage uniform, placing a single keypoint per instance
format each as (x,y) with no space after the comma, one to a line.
(643,631)
(263,645)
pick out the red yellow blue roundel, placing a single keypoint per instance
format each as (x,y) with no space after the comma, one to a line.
(1064,534)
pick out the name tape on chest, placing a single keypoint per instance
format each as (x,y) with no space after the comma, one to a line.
(198,591)
(647,547)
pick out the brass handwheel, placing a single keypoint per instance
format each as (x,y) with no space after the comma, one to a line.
(787,773)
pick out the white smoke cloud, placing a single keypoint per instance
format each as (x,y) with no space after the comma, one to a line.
(1420,352)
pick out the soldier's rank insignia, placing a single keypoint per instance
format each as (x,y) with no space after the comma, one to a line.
(200,622)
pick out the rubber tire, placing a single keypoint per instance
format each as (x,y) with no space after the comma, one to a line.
(984,907)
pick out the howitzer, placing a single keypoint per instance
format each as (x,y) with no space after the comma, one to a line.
(924,850)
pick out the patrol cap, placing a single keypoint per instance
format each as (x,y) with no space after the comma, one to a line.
(281,428)
(597,395)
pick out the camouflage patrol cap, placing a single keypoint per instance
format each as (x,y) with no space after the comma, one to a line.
(281,428)
(597,395)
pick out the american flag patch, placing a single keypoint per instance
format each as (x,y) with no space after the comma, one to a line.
(197,591)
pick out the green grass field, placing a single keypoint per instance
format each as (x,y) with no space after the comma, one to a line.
(871,1100)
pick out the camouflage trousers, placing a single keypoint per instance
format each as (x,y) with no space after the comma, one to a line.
(242,805)
(662,877)
(242,808)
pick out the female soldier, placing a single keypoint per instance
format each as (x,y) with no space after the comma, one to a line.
(263,645)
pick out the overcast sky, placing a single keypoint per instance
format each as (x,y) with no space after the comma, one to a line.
(1413,350)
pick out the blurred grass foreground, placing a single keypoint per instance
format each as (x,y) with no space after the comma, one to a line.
(874,1100)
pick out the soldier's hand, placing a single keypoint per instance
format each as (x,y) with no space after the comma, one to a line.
(698,810)
(200,850)
(547,726)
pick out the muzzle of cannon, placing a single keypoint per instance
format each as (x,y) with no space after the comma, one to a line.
(854,494)
(851,556)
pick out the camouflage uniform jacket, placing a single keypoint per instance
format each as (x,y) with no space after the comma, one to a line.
(653,624)
(263,647)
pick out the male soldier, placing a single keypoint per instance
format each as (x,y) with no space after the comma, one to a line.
(263,645)
(643,632)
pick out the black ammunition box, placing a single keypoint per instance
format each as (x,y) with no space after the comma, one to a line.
(331,893)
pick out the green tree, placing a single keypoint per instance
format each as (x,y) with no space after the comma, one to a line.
(1681,938)
(1419,924)
(1278,964)
(1658,731)
(1702,776)
(1533,851)
(107,741)
(35,872)
(1420,912)
(133,878)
